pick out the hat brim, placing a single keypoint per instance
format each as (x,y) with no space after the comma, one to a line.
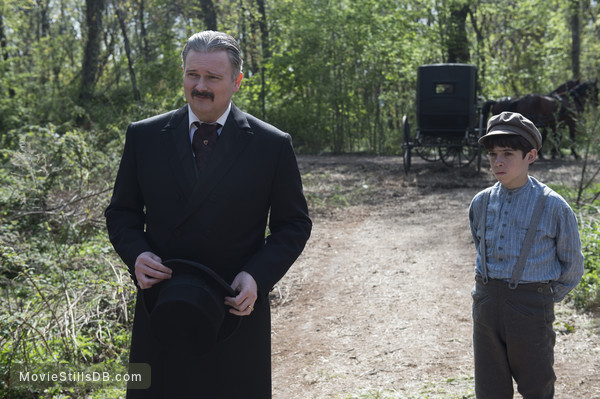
(508,130)
(497,133)
(189,266)
(183,310)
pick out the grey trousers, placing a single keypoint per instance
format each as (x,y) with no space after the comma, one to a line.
(513,338)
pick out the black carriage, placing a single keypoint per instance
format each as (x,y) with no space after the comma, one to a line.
(449,120)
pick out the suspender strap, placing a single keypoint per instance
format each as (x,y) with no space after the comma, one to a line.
(482,249)
(528,242)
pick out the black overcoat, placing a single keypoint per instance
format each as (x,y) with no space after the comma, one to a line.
(219,218)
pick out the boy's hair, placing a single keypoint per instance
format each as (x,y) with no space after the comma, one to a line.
(510,141)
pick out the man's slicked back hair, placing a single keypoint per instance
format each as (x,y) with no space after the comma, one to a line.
(209,41)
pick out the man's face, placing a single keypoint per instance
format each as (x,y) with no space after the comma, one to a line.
(208,83)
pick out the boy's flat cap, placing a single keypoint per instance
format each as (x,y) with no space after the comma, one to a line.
(513,123)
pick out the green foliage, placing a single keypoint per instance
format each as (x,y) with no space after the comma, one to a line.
(338,76)
(587,294)
(523,53)
(335,72)
(63,297)
(585,199)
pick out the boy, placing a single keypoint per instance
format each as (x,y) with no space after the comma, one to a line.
(527,259)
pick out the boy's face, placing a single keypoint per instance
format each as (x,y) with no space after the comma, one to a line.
(510,167)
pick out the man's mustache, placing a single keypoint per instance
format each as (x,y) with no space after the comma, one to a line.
(203,94)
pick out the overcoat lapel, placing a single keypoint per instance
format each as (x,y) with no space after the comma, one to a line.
(176,137)
(234,137)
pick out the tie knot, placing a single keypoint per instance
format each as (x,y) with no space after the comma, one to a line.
(205,135)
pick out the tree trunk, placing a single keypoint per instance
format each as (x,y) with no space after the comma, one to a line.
(479,56)
(43,31)
(121,18)
(209,16)
(3,43)
(93,13)
(4,51)
(576,39)
(143,34)
(44,28)
(266,54)
(458,44)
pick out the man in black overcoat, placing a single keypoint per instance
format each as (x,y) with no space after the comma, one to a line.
(166,205)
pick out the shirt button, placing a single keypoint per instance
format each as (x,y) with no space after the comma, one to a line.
(500,248)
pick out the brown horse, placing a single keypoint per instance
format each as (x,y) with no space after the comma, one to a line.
(581,93)
(573,102)
(564,88)
(541,110)
(562,106)
(561,93)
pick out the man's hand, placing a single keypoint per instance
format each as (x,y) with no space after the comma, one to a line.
(149,270)
(243,303)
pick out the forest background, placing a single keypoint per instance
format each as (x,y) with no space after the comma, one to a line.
(337,75)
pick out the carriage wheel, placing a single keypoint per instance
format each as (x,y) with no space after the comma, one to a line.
(430,154)
(428,150)
(406,144)
(457,155)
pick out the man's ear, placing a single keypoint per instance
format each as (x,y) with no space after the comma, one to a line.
(531,155)
(238,81)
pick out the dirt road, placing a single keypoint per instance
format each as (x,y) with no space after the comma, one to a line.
(378,305)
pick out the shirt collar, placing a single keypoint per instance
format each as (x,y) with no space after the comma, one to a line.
(192,118)
(516,191)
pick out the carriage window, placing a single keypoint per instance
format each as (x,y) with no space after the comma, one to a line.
(444,88)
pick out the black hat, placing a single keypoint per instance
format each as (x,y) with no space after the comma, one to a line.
(513,123)
(187,312)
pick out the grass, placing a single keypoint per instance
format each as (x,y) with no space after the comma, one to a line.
(460,387)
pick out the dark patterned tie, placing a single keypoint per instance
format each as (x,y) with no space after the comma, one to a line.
(205,137)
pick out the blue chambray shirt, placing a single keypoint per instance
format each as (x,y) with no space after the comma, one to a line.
(555,255)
